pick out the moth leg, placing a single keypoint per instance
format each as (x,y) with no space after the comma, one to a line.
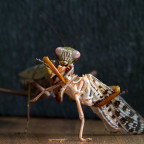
(41,88)
(62,90)
(81,117)
(114,87)
(116,91)
(45,90)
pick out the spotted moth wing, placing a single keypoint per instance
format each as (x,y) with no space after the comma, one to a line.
(118,115)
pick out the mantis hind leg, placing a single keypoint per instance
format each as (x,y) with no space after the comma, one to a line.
(32,82)
(28,108)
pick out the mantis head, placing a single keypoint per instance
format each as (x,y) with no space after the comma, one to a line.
(66,55)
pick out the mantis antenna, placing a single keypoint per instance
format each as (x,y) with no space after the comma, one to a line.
(82,35)
(58,35)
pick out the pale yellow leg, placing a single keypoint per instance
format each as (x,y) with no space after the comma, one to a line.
(114,87)
(43,92)
(81,116)
(116,90)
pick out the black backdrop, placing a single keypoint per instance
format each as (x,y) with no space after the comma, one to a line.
(113,46)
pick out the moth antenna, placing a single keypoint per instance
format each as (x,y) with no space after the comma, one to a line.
(54,30)
(123,92)
(82,35)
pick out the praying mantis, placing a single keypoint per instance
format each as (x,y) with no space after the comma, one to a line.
(56,78)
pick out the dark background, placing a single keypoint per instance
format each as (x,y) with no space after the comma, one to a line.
(113,46)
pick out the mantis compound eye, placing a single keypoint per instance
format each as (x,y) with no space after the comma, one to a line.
(58,51)
(66,55)
(76,54)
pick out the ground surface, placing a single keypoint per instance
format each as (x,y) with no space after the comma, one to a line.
(43,129)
